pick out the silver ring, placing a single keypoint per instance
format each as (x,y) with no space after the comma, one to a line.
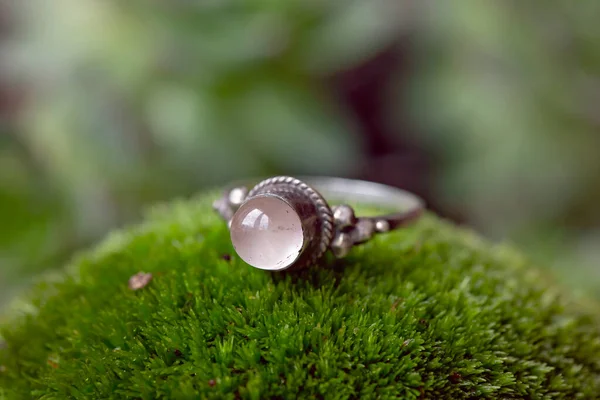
(283,223)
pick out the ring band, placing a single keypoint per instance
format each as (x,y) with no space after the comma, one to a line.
(285,223)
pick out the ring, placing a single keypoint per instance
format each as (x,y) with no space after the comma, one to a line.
(283,223)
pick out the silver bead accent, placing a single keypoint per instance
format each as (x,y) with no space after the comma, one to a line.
(218,204)
(382,226)
(222,207)
(341,244)
(237,196)
(228,204)
(363,230)
(343,216)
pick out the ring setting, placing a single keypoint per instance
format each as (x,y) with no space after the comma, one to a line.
(284,223)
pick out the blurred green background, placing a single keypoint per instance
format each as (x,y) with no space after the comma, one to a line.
(489,110)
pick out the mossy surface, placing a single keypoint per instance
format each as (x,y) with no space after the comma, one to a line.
(428,312)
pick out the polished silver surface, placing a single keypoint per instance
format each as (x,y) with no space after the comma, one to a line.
(325,228)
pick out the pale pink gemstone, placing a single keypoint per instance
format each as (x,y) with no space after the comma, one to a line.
(266,232)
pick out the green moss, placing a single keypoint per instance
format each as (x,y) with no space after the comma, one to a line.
(427,312)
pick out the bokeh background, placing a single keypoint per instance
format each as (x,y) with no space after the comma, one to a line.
(489,110)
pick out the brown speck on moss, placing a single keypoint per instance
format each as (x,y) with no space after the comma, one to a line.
(139,280)
(455,377)
(212,383)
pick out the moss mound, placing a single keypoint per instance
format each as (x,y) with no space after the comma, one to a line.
(427,312)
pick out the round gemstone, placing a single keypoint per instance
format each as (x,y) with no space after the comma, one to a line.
(266,232)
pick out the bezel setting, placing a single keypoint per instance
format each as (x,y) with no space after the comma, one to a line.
(311,207)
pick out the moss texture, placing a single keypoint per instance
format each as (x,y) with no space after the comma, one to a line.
(431,311)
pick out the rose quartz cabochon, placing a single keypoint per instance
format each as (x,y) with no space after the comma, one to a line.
(266,232)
